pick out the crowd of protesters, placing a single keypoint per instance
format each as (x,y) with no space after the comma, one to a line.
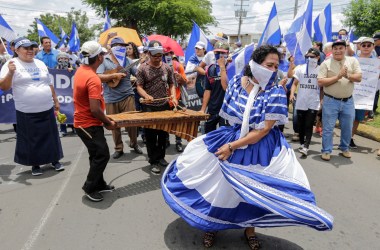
(320,90)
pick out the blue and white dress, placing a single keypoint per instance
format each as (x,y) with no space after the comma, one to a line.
(262,185)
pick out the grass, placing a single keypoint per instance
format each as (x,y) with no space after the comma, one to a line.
(375,122)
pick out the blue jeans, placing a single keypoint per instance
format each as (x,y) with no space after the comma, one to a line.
(331,111)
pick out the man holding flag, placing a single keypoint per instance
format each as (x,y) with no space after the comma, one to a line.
(119,98)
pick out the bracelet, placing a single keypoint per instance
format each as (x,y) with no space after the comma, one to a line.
(230,147)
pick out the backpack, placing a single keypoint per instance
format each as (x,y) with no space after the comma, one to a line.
(201,79)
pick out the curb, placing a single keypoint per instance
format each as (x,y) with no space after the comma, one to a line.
(369,132)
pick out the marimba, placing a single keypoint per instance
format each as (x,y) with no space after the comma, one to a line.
(181,123)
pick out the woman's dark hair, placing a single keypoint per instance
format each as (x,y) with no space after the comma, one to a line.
(247,71)
(136,53)
(259,54)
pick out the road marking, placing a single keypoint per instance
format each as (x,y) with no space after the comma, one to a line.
(37,230)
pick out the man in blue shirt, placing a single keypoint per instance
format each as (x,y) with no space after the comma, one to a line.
(47,54)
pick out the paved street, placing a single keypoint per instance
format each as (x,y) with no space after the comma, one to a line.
(51,211)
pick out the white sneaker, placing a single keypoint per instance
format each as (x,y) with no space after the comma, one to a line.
(300,147)
(303,151)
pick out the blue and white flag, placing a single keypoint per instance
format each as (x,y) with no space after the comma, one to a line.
(107,22)
(298,39)
(323,26)
(63,37)
(6,31)
(272,32)
(120,54)
(239,60)
(196,35)
(43,30)
(145,40)
(74,42)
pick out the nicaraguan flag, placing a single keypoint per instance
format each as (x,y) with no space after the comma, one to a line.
(74,42)
(43,30)
(323,26)
(107,22)
(196,35)
(272,32)
(63,37)
(239,60)
(6,31)
(298,38)
(120,54)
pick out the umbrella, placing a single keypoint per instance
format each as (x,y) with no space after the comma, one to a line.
(168,44)
(128,35)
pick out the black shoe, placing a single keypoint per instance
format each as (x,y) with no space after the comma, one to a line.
(352,144)
(137,149)
(155,169)
(163,162)
(36,170)
(58,166)
(179,147)
(167,143)
(107,188)
(95,196)
(117,154)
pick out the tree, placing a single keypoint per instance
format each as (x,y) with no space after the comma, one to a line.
(166,17)
(363,16)
(53,21)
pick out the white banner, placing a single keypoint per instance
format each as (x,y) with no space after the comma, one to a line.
(364,91)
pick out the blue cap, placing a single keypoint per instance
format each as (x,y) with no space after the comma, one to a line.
(22,42)
(117,40)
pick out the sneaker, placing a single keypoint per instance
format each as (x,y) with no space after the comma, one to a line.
(300,147)
(303,151)
(36,170)
(179,147)
(117,154)
(155,169)
(58,166)
(163,162)
(346,154)
(137,149)
(95,196)
(325,156)
(107,188)
(352,144)
(295,137)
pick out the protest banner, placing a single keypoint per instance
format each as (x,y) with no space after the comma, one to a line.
(364,91)
(63,84)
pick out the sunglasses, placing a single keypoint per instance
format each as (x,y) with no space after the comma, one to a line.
(157,56)
(366,45)
(310,57)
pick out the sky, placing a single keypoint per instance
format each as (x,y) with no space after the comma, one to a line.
(20,13)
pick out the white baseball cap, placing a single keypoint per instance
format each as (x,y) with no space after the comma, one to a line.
(91,49)
(200,45)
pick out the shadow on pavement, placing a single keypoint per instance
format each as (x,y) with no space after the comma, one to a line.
(23,177)
(179,235)
(151,184)
(336,160)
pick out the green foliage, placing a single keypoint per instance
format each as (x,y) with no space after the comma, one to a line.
(53,21)
(166,17)
(363,16)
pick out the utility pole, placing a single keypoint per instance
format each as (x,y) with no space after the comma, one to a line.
(240,13)
(295,8)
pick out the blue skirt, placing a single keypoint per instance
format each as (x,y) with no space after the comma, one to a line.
(262,185)
(38,140)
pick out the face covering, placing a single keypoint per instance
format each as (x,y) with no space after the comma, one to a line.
(120,54)
(311,64)
(264,76)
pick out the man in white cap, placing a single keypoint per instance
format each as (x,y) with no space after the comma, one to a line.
(89,118)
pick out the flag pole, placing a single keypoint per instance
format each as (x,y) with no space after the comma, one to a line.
(2,42)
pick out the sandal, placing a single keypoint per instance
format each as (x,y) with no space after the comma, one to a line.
(209,239)
(252,240)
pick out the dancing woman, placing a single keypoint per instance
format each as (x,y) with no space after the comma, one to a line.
(245,175)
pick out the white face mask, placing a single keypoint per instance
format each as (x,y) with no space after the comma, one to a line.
(312,63)
(263,75)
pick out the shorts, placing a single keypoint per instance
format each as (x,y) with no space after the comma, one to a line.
(359,114)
